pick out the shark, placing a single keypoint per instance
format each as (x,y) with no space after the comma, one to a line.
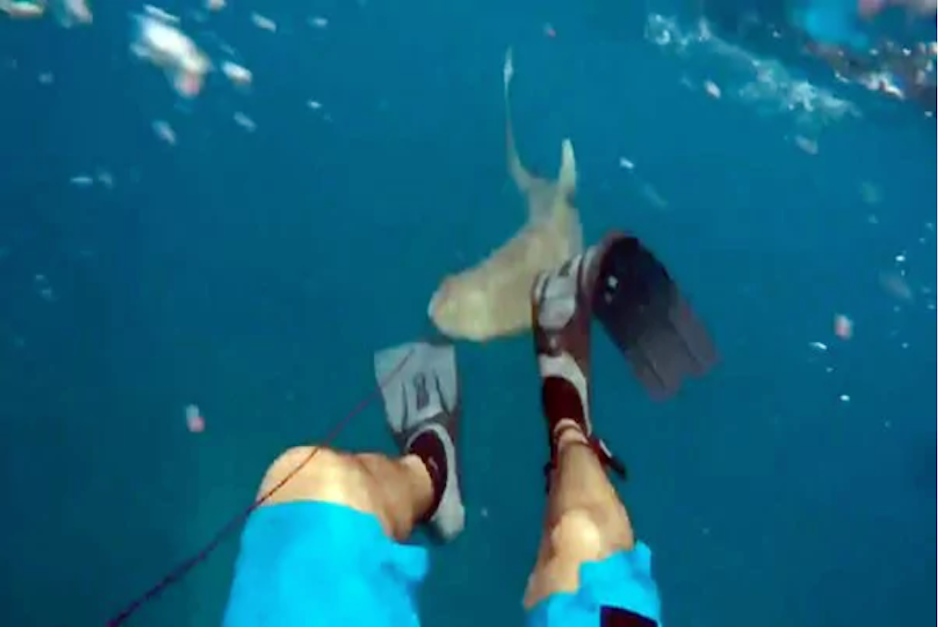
(491,299)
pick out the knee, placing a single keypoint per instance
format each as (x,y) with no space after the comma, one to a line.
(308,473)
(589,534)
(307,463)
(577,536)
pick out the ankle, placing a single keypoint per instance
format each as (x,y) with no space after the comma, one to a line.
(420,484)
(563,400)
(567,432)
(428,451)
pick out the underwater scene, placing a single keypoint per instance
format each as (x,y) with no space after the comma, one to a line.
(214,213)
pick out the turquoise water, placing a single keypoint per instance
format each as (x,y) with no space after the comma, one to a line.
(256,273)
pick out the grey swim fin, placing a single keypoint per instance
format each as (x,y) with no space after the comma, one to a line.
(419,365)
(421,393)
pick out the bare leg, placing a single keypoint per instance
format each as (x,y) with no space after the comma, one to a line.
(585,520)
(422,410)
(622,283)
(325,548)
(398,492)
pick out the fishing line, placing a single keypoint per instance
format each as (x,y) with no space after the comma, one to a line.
(182,569)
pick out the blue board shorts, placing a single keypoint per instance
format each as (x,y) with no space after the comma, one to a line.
(312,564)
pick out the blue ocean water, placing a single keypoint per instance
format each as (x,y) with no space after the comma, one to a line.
(256,273)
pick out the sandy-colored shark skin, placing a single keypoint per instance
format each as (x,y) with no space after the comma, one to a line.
(491,299)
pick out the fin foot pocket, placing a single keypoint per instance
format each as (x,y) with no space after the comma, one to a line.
(422,409)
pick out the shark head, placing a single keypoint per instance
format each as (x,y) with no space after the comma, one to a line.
(458,310)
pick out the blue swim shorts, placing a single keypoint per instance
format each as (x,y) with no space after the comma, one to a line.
(311,564)
(622,581)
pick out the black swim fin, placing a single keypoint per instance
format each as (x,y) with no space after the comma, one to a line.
(645,315)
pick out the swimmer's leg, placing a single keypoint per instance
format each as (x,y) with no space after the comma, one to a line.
(397,491)
(422,409)
(588,558)
(325,548)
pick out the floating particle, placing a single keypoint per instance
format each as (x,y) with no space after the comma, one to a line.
(654,197)
(82,180)
(712,89)
(895,284)
(807,145)
(264,23)
(818,346)
(188,84)
(313,104)
(236,74)
(164,131)
(870,193)
(194,420)
(23,9)
(887,84)
(843,327)
(626,163)
(319,22)
(43,288)
(159,41)
(244,121)
(46,78)
(845,398)
(105,178)
(160,14)
(549,31)
(215,5)
(72,12)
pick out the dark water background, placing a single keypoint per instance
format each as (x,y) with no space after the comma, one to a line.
(255,274)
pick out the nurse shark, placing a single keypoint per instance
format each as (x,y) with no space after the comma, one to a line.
(492,298)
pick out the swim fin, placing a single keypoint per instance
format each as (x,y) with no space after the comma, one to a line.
(422,398)
(644,314)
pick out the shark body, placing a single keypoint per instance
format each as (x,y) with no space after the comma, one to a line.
(491,299)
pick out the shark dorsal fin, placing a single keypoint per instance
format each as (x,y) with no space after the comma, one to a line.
(568,172)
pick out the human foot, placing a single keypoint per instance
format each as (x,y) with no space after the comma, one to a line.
(561,321)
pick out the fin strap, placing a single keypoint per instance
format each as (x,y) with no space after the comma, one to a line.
(609,460)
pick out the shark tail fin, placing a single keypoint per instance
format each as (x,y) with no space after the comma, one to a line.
(522,177)
(568,172)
